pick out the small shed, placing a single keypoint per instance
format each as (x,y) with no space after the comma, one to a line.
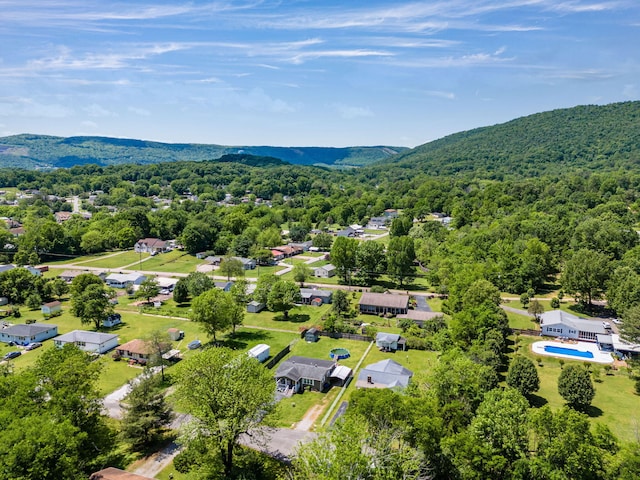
(175,334)
(112,320)
(255,307)
(260,351)
(312,335)
(51,308)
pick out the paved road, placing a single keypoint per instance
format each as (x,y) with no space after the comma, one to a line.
(516,310)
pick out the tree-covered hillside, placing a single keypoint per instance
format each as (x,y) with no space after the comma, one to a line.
(37,151)
(587,137)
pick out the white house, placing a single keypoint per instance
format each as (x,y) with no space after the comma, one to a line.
(112,320)
(93,342)
(326,271)
(24,334)
(51,308)
(556,323)
(390,341)
(124,280)
(384,374)
(151,245)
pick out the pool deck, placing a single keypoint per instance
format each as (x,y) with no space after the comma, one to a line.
(598,356)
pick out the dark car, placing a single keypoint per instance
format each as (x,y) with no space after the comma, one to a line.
(11,355)
(33,346)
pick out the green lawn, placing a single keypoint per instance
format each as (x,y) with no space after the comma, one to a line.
(615,403)
(118,261)
(74,260)
(174,261)
(296,260)
(259,271)
(523,322)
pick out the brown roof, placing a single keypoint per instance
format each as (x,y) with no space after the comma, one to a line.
(384,300)
(112,473)
(52,304)
(135,346)
(153,242)
(71,273)
(420,315)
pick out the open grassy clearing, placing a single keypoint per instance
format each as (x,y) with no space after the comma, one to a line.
(73,260)
(615,403)
(174,261)
(523,322)
(120,260)
(261,270)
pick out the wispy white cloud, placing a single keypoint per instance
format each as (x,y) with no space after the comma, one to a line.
(304,56)
(95,110)
(350,112)
(27,107)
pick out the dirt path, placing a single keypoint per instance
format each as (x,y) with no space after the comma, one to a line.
(309,418)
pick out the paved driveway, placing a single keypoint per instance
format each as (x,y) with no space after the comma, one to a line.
(421,303)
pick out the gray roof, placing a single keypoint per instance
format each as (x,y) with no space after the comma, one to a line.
(328,267)
(23,330)
(387,337)
(384,300)
(386,372)
(312,292)
(554,317)
(296,368)
(85,336)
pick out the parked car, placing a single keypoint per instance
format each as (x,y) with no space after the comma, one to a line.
(33,346)
(193,345)
(11,355)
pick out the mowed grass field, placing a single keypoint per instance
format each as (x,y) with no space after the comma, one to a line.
(120,260)
(174,261)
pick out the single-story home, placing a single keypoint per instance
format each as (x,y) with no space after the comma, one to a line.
(166,283)
(347,232)
(255,307)
(224,286)
(378,222)
(297,372)
(24,334)
(6,267)
(419,317)
(112,473)
(247,263)
(136,349)
(556,323)
(69,275)
(151,245)
(62,216)
(326,271)
(304,246)
(260,351)
(390,341)
(93,342)
(314,296)
(112,320)
(51,308)
(288,250)
(614,343)
(213,260)
(391,213)
(375,303)
(384,374)
(277,255)
(124,280)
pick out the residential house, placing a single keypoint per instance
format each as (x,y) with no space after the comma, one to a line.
(296,373)
(420,317)
(277,255)
(376,303)
(23,334)
(112,473)
(613,343)
(213,260)
(137,350)
(556,323)
(6,267)
(247,263)
(347,232)
(378,222)
(112,320)
(391,213)
(288,250)
(255,307)
(69,275)
(92,342)
(33,270)
(384,374)
(124,280)
(390,342)
(326,271)
(151,245)
(315,297)
(166,283)
(303,246)
(62,216)
(224,286)
(51,308)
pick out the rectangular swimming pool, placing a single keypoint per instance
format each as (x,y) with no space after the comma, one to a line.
(568,351)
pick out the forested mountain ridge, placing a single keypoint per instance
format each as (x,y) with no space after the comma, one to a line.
(38,151)
(587,137)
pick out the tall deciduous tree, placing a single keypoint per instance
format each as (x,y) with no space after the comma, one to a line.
(263,287)
(198,283)
(283,297)
(228,394)
(148,289)
(576,387)
(343,257)
(93,305)
(623,289)
(340,302)
(400,258)
(231,267)
(522,375)
(82,281)
(586,274)
(181,291)
(630,328)
(301,272)
(370,261)
(216,311)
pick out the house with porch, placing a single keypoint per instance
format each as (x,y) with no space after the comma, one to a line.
(296,373)
(91,342)
(136,350)
(384,374)
(325,271)
(124,280)
(376,303)
(557,323)
(390,342)
(151,245)
(23,334)
(315,296)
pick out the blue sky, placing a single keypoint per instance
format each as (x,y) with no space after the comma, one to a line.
(303,73)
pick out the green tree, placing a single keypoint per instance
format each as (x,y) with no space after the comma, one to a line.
(269,237)
(586,274)
(263,287)
(623,289)
(158,343)
(301,272)
(340,302)
(630,328)
(322,241)
(17,284)
(57,287)
(370,261)
(283,297)
(576,387)
(343,257)
(216,311)
(93,305)
(92,242)
(146,413)
(228,394)
(400,258)
(231,267)
(522,375)
(181,291)
(536,309)
(82,281)
(198,283)
(197,236)
(298,233)
(148,289)
(400,226)
(33,301)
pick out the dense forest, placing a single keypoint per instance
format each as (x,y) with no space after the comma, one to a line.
(547,202)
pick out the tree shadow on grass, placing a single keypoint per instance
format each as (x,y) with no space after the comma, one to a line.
(536,400)
(241,339)
(293,318)
(593,411)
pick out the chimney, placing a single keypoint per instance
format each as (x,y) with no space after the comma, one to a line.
(369,380)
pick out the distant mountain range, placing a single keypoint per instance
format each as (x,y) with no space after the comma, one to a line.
(42,151)
(592,138)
